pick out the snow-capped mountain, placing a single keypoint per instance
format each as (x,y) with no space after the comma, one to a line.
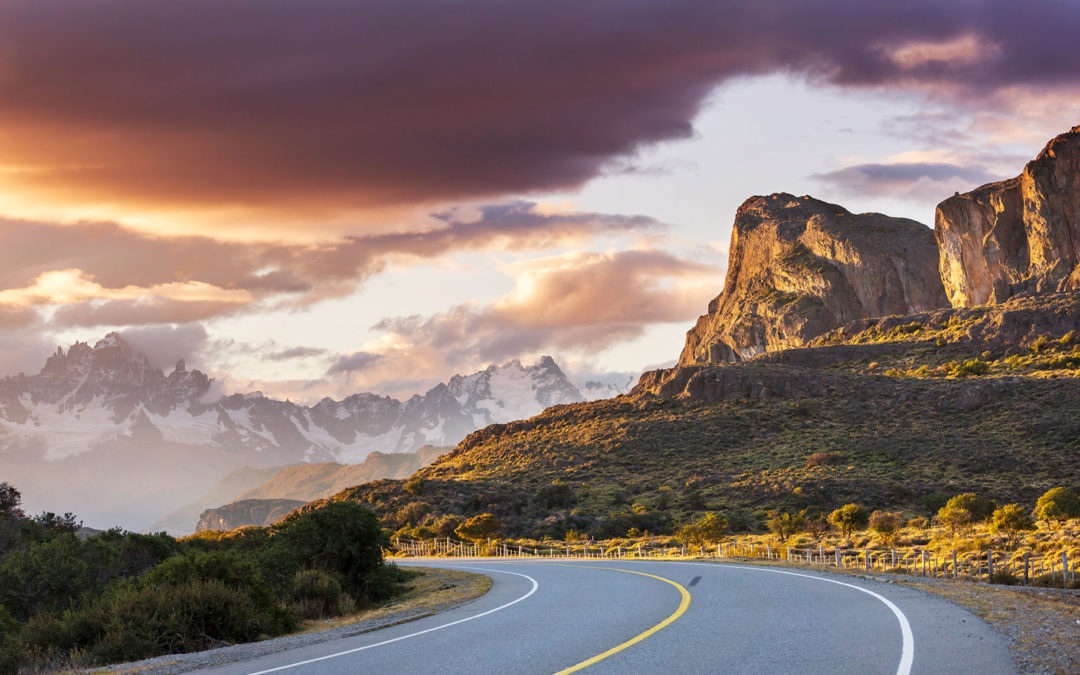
(102,421)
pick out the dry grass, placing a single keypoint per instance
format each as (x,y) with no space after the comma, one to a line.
(1042,626)
(434,591)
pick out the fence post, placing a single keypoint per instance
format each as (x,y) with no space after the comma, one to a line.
(989,567)
(866,559)
(837,552)
(1027,567)
(1064,568)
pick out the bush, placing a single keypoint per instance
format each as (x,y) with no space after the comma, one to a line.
(703,531)
(1056,505)
(226,567)
(824,459)
(44,576)
(479,527)
(317,594)
(886,524)
(135,621)
(784,525)
(848,518)
(1009,520)
(963,510)
(342,538)
(555,496)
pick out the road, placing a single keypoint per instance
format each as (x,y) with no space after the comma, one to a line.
(550,616)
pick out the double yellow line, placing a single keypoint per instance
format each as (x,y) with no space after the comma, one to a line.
(684,604)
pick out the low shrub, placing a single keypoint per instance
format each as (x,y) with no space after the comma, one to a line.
(317,594)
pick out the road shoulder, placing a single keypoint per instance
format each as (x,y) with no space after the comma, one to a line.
(1040,626)
(436,591)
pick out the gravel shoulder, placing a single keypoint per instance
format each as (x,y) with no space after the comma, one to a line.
(1040,625)
(436,591)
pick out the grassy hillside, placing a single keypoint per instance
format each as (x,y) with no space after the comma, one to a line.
(771,434)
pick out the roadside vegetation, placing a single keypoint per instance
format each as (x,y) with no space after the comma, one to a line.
(71,601)
(965,523)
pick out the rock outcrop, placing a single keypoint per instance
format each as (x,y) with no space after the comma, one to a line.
(798,267)
(259,512)
(1015,236)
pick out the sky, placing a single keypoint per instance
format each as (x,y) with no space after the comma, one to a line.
(327,197)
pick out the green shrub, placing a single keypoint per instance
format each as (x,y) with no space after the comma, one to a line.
(848,518)
(134,621)
(343,538)
(1057,504)
(479,527)
(44,576)
(317,594)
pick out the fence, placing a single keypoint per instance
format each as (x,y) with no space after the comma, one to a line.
(1023,566)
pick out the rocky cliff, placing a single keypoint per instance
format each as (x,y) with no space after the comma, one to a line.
(798,267)
(248,512)
(1015,236)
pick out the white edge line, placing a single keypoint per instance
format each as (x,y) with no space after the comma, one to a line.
(535,585)
(907,653)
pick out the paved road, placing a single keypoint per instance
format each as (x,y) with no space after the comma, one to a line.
(666,617)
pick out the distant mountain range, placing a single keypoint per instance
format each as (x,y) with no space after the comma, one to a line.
(101,432)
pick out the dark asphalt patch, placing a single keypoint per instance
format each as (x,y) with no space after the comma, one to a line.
(693,582)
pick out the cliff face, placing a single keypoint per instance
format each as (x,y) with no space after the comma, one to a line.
(798,267)
(1016,236)
(259,512)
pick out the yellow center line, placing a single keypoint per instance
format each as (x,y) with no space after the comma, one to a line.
(683,606)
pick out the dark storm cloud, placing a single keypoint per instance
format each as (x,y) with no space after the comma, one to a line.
(286,105)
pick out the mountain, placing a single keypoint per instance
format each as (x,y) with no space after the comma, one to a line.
(798,267)
(101,432)
(1016,236)
(818,397)
(303,482)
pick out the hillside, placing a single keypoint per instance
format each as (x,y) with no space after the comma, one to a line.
(894,408)
(769,437)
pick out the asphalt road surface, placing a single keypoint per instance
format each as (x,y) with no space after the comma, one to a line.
(626,616)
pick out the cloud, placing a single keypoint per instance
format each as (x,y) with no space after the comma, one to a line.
(332,106)
(921,180)
(104,274)
(354,362)
(579,302)
(296,353)
(164,345)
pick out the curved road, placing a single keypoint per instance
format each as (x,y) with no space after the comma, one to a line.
(550,616)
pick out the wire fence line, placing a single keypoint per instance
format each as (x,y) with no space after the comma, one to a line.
(991,566)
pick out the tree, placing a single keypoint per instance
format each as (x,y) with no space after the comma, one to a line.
(848,518)
(1009,520)
(10,499)
(886,524)
(704,531)
(479,527)
(784,525)
(445,526)
(817,524)
(963,510)
(1056,505)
